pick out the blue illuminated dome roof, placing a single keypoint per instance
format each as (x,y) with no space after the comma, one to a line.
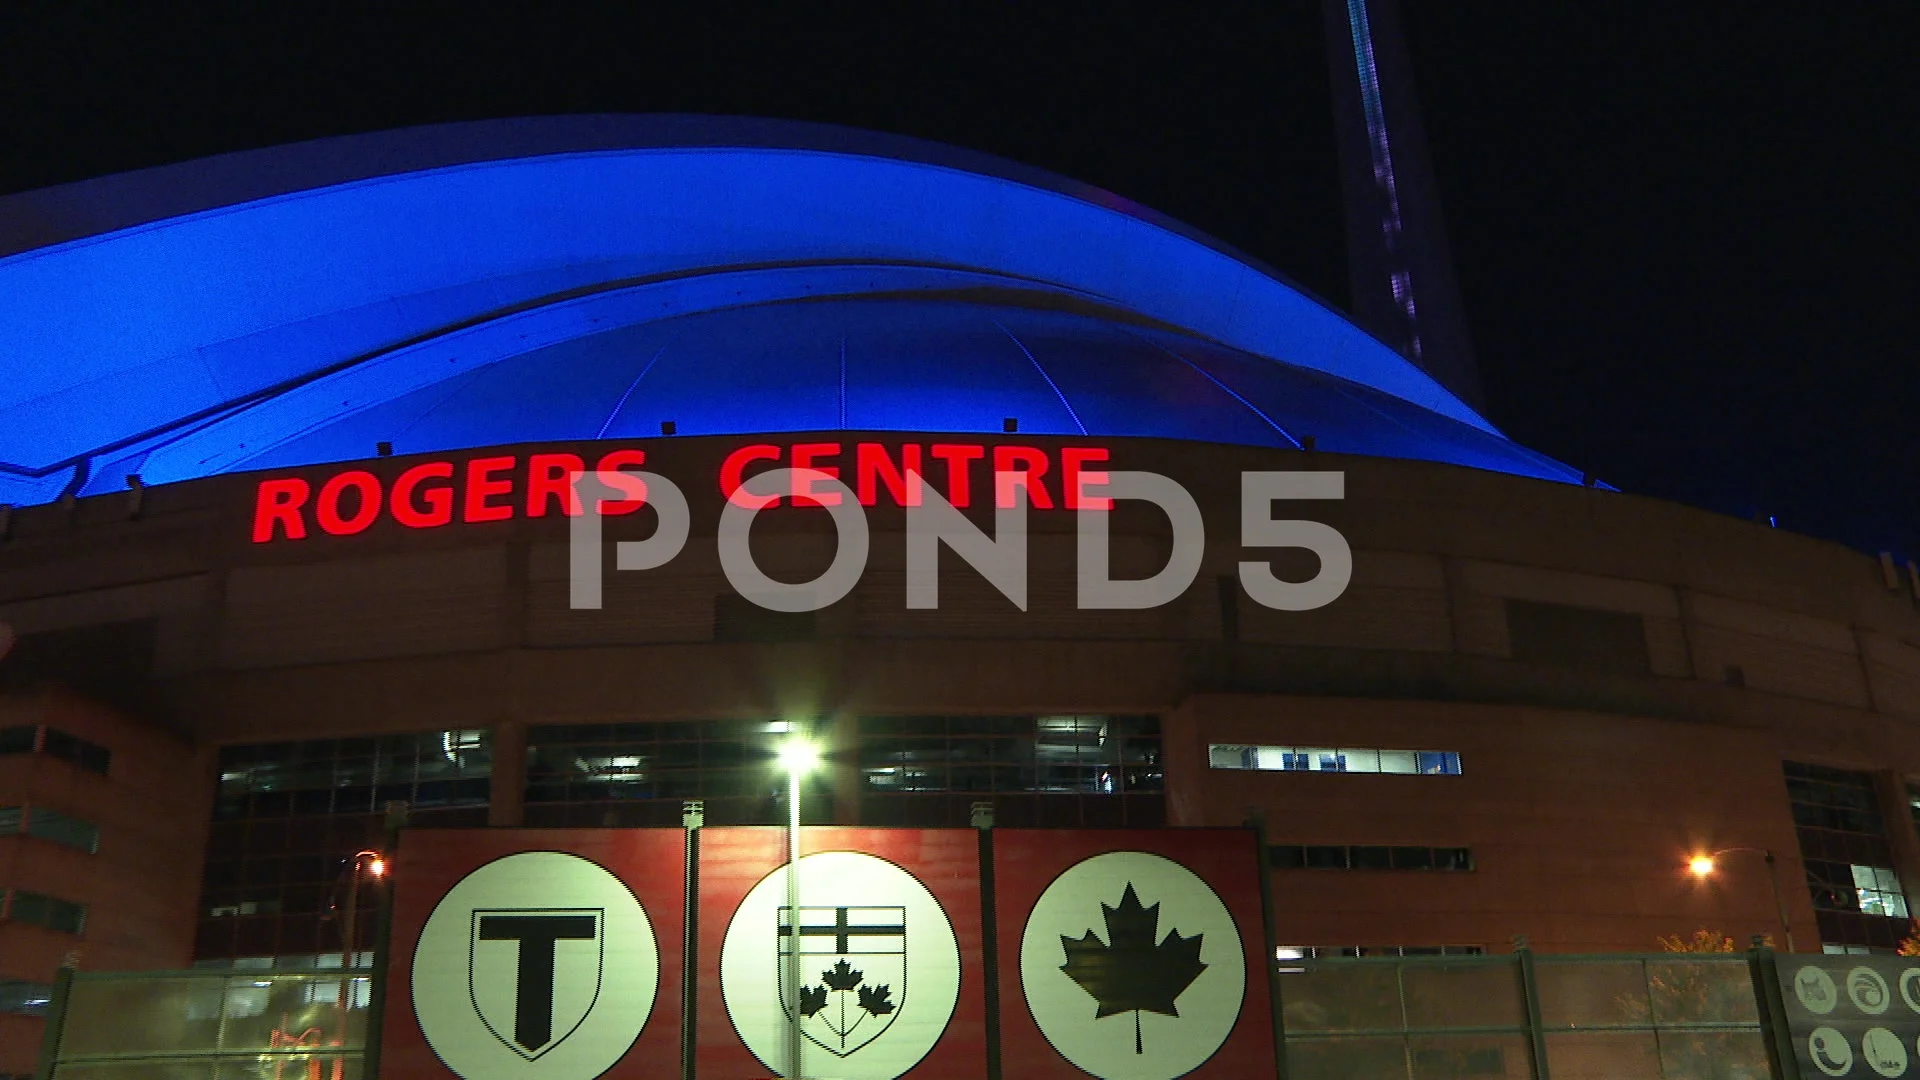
(592,277)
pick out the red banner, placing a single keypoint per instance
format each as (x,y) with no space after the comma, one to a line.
(885,948)
(536,952)
(1131,953)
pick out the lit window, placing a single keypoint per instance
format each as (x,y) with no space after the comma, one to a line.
(25,998)
(1879,891)
(1345,759)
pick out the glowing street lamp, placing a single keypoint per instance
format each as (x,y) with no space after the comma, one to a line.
(375,866)
(798,757)
(1704,865)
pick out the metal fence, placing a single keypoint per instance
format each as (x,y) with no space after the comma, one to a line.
(1525,1017)
(212,1025)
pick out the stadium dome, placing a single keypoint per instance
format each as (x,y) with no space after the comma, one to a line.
(572,278)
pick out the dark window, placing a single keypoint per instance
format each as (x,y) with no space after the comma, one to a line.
(738,619)
(1367,857)
(26,738)
(1567,636)
(639,774)
(90,756)
(50,825)
(25,998)
(290,818)
(48,911)
(18,739)
(1856,894)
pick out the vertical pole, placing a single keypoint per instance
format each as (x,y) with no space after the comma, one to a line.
(56,1023)
(1782,1063)
(1530,994)
(690,957)
(990,950)
(1779,904)
(793,925)
(382,943)
(1270,934)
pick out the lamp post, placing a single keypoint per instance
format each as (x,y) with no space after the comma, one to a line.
(376,865)
(1703,866)
(798,757)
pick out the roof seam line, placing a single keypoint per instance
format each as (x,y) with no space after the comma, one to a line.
(1055,387)
(843,382)
(1224,388)
(631,387)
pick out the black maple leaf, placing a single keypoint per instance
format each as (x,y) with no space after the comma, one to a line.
(812,999)
(874,999)
(1130,973)
(842,977)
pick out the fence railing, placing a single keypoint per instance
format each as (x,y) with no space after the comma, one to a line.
(1525,1017)
(209,1025)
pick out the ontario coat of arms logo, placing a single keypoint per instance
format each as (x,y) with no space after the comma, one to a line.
(536,966)
(865,970)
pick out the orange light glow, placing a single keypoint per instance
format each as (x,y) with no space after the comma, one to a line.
(1701,865)
(376,866)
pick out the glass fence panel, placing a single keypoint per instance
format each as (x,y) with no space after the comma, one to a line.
(257,1067)
(125,1016)
(1469,1057)
(283,1012)
(1345,1058)
(1701,992)
(1712,1055)
(1603,1055)
(1470,994)
(260,1012)
(1586,995)
(1361,997)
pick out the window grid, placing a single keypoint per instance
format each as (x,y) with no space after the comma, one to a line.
(1857,898)
(1369,857)
(291,815)
(640,773)
(1316,952)
(1333,759)
(23,998)
(1082,754)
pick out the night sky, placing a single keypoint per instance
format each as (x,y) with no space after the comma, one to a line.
(1686,233)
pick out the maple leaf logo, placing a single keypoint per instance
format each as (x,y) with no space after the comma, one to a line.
(842,976)
(812,999)
(874,999)
(1129,972)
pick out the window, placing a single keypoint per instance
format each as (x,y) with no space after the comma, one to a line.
(50,825)
(1343,759)
(638,774)
(1576,637)
(1857,900)
(1076,753)
(1314,952)
(1368,857)
(1878,888)
(355,776)
(48,911)
(27,738)
(25,998)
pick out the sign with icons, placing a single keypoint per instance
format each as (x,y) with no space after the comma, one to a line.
(535,954)
(1853,1016)
(1131,954)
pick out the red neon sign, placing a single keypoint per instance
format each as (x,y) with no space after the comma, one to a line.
(501,487)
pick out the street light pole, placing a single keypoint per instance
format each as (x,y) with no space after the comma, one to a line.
(799,757)
(1704,865)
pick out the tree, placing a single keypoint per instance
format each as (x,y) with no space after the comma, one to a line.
(1910,945)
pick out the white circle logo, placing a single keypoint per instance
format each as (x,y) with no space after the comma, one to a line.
(1132,967)
(1868,991)
(536,966)
(1910,988)
(1813,987)
(1884,1052)
(877,964)
(1829,1051)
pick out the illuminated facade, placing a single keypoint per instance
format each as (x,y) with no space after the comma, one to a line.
(1532,702)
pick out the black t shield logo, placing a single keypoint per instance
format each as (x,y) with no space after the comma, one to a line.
(534,973)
